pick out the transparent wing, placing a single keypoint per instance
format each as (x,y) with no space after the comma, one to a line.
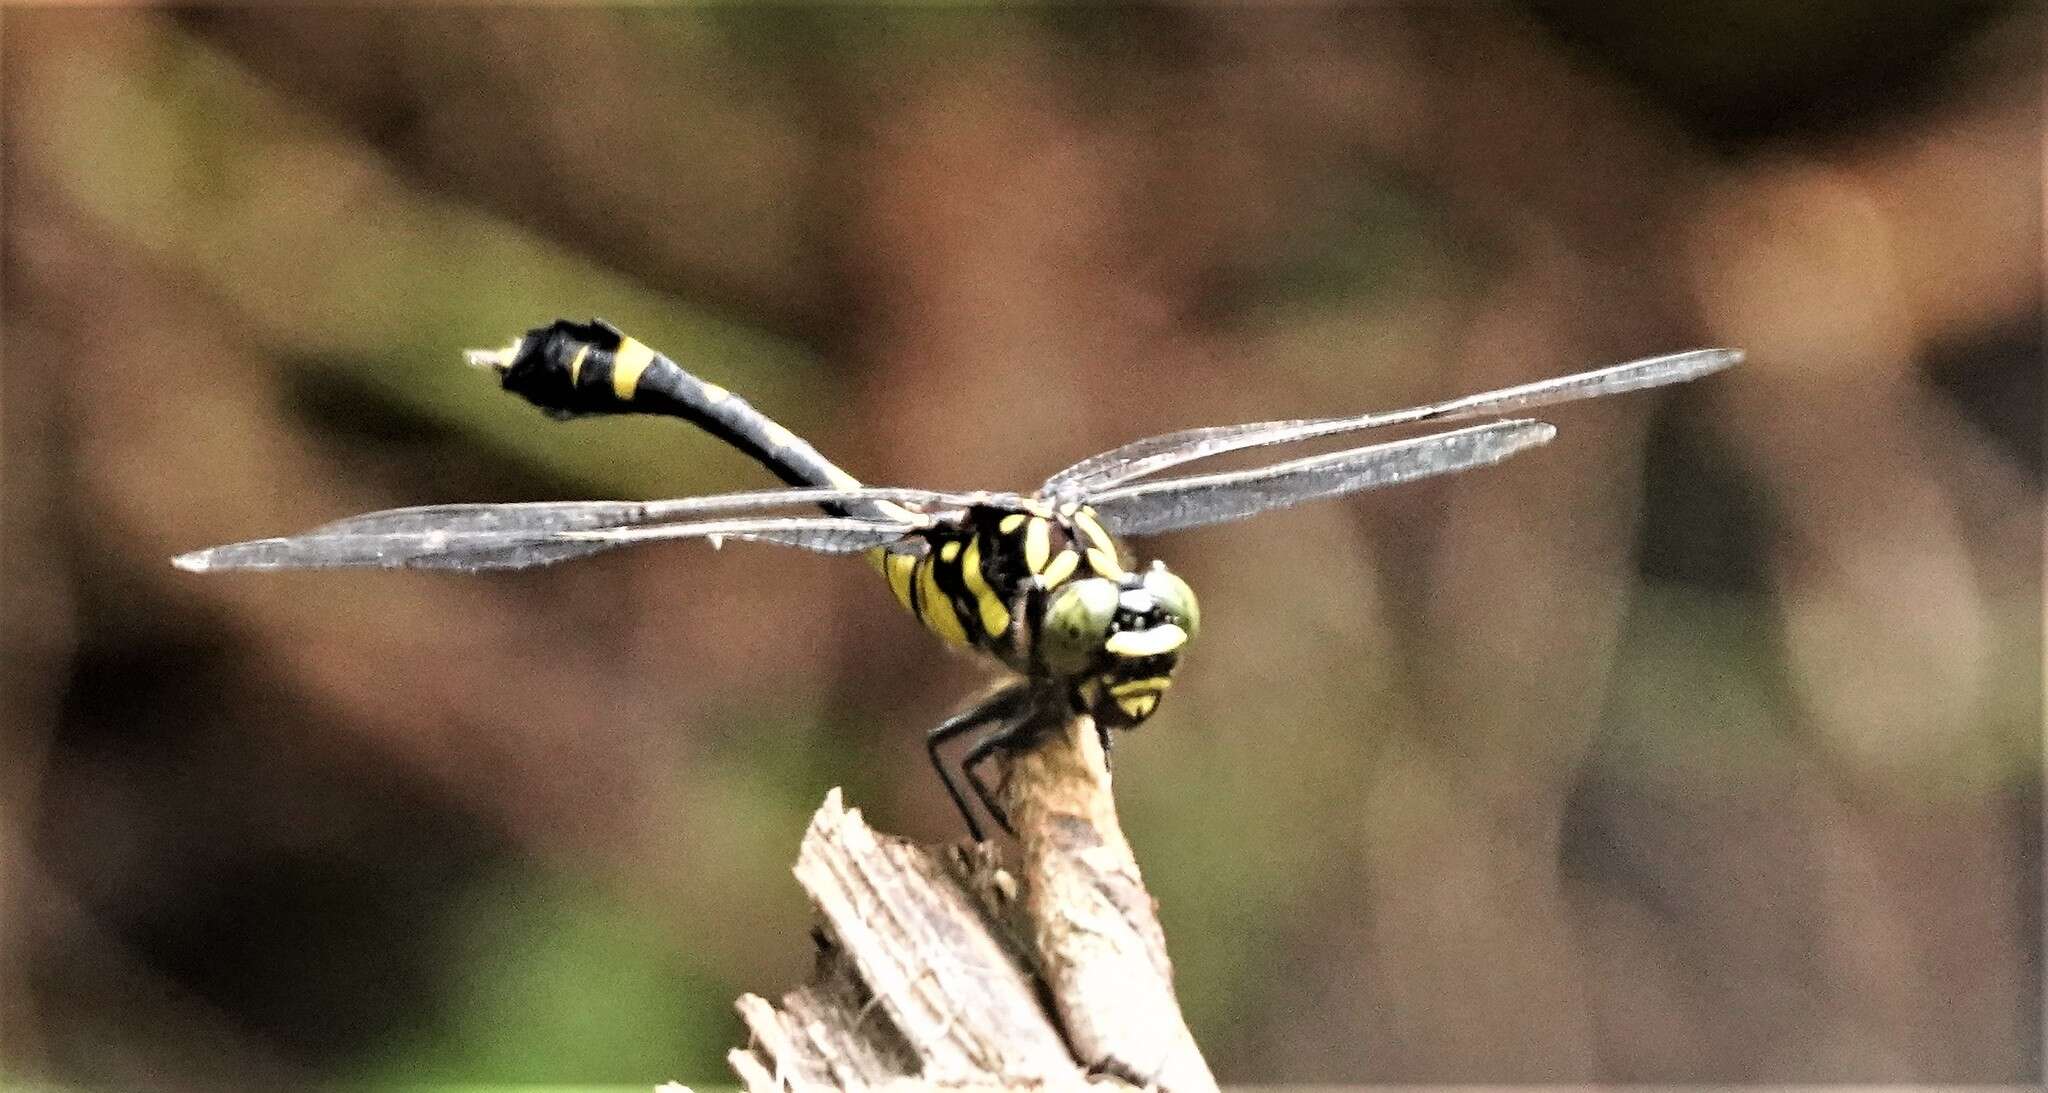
(472,550)
(1153,454)
(517,536)
(1147,508)
(550,516)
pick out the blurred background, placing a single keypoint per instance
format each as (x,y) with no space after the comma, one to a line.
(1702,745)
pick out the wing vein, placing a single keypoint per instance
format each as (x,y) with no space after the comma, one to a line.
(1147,508)
(1153,454)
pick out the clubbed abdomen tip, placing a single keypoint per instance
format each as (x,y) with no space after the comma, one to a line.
(497,360)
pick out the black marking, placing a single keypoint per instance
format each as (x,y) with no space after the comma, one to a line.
(545,372)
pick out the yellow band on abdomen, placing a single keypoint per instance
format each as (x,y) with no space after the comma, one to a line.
(629,362)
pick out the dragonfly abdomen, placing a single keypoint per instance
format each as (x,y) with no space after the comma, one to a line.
(592,368)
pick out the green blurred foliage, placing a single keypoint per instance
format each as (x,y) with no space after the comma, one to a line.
(554,984)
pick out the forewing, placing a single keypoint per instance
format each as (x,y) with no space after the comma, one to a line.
(1147,508)
(536,517)
(522,535)
(473,550)
(1153,454)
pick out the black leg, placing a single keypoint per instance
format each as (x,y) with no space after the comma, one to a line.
(1102,733)
(985,748)
(996,707)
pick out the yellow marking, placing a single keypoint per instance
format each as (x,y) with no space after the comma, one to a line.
(779,436)
(1164,638)
(934,607)
(1062,566)
(1037,545)
(1092,529)
(1138,707)
(1101,548)
(576,363)
(629,361)
(949,552)
(842,480)
(1149,685)
(714,394)
(900,569)
(995,618)
(1009,524)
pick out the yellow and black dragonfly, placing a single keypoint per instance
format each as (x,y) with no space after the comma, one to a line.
(1041,582)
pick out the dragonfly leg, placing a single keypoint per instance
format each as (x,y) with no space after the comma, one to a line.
(1021,730)
(1102,733)
(1000,706)
(983,750)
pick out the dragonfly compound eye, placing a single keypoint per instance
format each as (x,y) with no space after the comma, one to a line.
(1175,598)
(1077,620)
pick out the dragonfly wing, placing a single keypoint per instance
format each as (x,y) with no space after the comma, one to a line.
(362,543)
(823,534)
(464,551)
(550,516)
(1147,508)
(523,535)
(1153,454)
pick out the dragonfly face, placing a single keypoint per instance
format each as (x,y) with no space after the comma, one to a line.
(1044,589)
(1115,642)
(1038,581)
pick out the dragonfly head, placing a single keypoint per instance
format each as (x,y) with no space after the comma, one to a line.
(1117,640)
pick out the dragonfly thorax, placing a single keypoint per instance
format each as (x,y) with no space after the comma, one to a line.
(1046,589)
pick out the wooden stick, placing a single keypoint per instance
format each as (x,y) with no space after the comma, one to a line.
(935,966)
(1094,928)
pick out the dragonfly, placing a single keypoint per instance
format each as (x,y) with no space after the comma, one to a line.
(1043,582)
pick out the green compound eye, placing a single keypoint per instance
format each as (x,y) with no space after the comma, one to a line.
(1077,619)
(1175,598)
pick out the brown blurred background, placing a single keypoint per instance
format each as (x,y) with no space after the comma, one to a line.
(1702,745)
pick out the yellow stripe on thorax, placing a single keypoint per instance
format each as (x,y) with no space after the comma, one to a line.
(1037,544)
(1101,548)
(934,607)
(1060,568)
(995,618)
(901,569)
(629,362)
